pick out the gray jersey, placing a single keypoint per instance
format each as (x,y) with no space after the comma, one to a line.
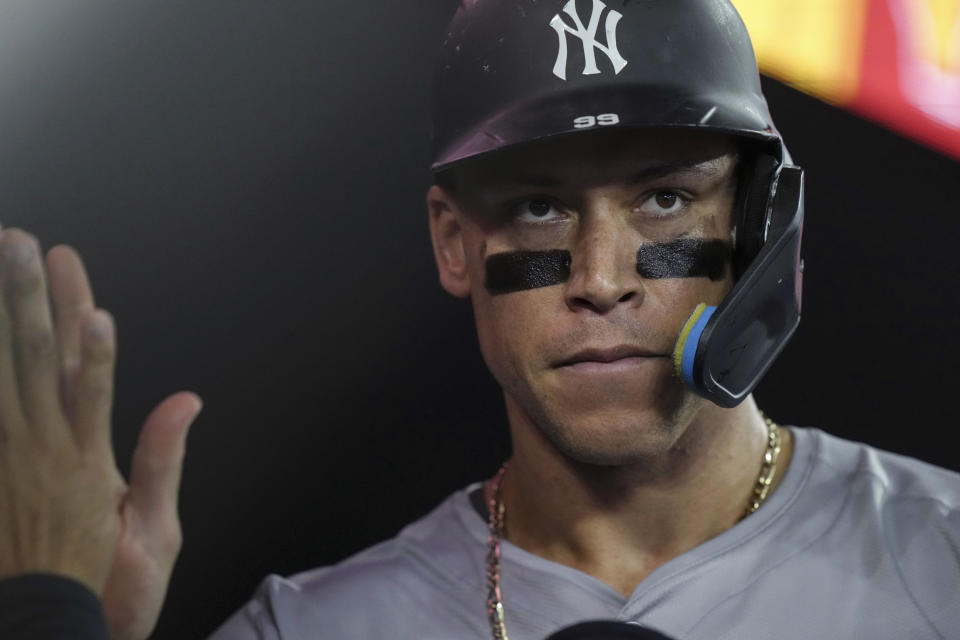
(855,543)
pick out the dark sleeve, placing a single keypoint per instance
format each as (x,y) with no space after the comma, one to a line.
(49,607)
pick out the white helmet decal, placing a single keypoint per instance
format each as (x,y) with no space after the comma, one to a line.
(588,36)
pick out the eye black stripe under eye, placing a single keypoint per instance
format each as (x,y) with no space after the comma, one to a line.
(687,258)
(523,270)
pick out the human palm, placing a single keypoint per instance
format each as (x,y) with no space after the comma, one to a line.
(65,508)
(149,535)
(138,580)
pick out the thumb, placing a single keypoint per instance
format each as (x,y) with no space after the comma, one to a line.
(158,459)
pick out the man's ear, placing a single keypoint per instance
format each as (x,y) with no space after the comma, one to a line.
(446,232)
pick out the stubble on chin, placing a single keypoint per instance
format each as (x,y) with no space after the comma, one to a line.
(638,431)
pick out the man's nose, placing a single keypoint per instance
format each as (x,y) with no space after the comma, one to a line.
(603,268)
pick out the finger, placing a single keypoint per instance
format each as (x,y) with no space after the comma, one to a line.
(93,402)
(158,458)
(32,338)
(72,301)
(11,413)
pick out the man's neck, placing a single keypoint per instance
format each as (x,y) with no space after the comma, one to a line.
(619,523)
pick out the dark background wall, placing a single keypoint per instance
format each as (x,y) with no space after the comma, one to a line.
(245,181)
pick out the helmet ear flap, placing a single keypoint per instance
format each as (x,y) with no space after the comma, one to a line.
(755,192)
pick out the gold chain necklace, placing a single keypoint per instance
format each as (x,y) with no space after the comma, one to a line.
(497,511)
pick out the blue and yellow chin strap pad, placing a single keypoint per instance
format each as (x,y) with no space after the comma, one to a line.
(682,357)
(723,351)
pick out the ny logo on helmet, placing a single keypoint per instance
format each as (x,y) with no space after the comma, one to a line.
(588,36)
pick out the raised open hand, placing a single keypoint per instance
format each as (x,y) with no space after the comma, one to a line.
(64,507)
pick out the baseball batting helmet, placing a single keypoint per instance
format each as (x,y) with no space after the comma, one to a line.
(517,71)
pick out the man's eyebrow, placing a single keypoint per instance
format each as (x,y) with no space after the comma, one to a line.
(700,167)
(704,168)
(532,180)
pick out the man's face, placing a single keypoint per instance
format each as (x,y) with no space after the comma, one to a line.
(579,255)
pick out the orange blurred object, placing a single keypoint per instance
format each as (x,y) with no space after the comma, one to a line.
(894,61)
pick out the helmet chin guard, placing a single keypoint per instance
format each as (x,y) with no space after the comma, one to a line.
(723,351)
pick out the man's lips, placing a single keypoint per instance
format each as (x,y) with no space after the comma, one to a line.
(622,355)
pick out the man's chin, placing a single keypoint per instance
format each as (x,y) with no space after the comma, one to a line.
(625,422)
(611,438)
(629,405)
